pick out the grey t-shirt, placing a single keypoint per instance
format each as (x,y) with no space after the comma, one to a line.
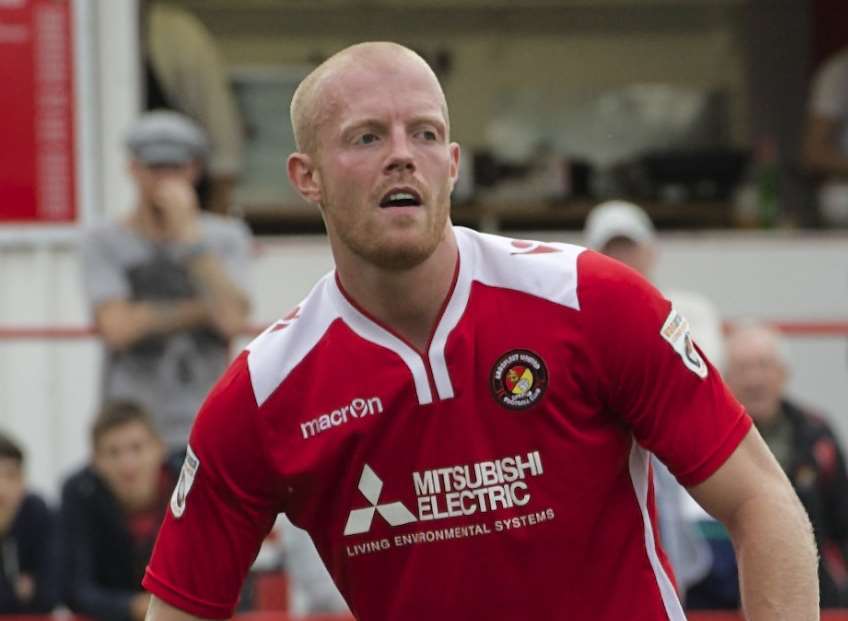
(169,374)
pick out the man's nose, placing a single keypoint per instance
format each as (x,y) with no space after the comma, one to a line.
(400,157)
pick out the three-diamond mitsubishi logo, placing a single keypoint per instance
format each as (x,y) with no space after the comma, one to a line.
(395,513)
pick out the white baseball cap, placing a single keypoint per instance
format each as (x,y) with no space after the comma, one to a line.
(617,219)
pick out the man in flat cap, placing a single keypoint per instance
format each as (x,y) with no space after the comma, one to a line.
(165,282)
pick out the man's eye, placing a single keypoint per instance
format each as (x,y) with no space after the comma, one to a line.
(366,139)
(428,134)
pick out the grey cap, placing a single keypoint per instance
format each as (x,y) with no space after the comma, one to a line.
(166,137)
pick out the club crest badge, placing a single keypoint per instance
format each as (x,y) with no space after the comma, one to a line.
(186,480)
(675,330)
(519,379)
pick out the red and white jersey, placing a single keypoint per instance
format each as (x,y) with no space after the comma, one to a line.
(503,473)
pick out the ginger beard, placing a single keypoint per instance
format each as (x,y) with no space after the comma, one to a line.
(406,242)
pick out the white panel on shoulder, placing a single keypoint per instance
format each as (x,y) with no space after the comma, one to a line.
(546,270)
(274,353)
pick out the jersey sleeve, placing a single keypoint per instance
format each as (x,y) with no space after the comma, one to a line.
(652,375)
(223,506)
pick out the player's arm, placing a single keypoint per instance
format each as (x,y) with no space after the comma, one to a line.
(679,408)
(163,611)
(771,534)
(223,506)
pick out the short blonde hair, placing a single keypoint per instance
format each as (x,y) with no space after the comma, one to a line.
(308,111)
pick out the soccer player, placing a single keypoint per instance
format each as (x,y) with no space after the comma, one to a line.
(458,419)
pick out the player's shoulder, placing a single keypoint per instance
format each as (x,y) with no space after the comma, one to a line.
(609,281)
(283,345)
(559,272)
(543,269)
(619,303)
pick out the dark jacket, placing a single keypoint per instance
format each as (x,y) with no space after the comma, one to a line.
(102,564)
(817,472)
(30,547)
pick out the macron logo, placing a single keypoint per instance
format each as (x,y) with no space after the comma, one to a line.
(358,408)
(395,513)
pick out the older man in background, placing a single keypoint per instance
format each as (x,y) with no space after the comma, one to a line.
(803,443)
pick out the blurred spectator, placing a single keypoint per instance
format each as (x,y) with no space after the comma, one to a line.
(185,72)
(825,151)
(111,512)
(624,231)
(803,444)
(29,578)
(165,284)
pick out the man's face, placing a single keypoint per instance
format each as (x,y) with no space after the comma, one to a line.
(149,177)
(129,458)
(756,373)
(11,489)
(384,165)
(633,254)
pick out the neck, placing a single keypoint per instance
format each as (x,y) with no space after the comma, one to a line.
(408,301)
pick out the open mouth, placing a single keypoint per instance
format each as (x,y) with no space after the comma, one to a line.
(405,197)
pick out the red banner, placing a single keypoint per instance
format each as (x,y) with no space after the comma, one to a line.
(37,167)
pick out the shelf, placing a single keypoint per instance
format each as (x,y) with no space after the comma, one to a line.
(371,18)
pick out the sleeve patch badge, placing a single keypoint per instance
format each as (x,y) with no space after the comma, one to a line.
(183,487)
(675,330)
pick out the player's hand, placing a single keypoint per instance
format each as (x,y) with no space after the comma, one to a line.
(178,209)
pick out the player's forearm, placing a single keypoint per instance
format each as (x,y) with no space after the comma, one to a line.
(228,305)
(777,558)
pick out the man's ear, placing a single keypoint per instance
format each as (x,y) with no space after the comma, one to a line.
(454,167)
(304,176)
